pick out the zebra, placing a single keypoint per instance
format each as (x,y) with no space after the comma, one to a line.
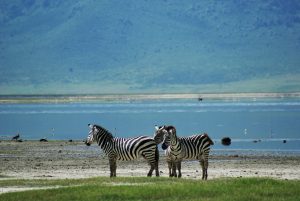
(159,137)
(179,148)
(159,134)
(124,148)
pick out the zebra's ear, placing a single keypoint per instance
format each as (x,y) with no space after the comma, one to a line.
(156,127)
(91,126)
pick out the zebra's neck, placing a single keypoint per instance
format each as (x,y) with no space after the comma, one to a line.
(158,138)
(175,144)
(104,138)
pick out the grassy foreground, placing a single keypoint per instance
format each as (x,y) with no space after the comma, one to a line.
(103,188)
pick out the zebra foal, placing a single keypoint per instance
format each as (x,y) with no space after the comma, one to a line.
(179,148)
(124,148)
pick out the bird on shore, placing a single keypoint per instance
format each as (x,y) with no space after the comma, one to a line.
(43,140)
(16,137)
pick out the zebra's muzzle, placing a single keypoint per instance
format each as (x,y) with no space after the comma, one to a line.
(164,146)
(87,144)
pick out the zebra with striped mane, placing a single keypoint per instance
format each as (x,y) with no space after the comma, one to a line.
(159,136)
(179,148)
(124,148)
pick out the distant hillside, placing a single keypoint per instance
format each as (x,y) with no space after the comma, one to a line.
(108,46)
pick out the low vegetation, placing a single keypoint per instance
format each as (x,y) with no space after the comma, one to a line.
(140,188)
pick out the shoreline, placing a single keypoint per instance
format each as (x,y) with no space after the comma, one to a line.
(62,160)
(140,97)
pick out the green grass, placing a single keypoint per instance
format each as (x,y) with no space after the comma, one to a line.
(103,188)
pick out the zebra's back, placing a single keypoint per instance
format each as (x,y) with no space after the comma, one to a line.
(131,148)
(194,146)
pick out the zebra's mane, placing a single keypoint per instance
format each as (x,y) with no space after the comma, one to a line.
(104,130)
(168,128)
(209,139)
(171,128)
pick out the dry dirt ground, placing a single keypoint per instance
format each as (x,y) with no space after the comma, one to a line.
(63,159)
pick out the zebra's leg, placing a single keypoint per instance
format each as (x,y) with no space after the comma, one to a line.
(170,168)
(203,168)
(156,169)
(151,161)
(174,169)
(152,167)
(156,162)
(179,169)
(113,167)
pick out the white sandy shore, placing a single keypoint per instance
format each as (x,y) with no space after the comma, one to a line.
(60,160)
(134,97)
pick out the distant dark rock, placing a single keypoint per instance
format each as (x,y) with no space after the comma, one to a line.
(226,141)
(284,141)
(70,140)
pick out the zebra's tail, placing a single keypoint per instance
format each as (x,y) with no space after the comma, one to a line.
(209,139)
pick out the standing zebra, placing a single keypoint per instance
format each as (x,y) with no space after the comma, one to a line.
(124,148)
(159,136)
(179,148)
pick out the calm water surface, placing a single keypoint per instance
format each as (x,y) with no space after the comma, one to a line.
(269,121)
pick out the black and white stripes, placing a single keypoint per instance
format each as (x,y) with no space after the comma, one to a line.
(195,147)
(124,148)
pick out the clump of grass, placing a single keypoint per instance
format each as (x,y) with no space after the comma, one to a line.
(159,189)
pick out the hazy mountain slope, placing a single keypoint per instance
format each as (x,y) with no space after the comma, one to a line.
(149,46)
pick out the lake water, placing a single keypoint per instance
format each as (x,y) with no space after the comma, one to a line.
(267,121)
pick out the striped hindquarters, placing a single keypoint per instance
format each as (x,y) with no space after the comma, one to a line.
(196,146)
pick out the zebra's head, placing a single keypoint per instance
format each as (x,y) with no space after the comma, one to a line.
(170,134)
(160,131)
(91,136)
